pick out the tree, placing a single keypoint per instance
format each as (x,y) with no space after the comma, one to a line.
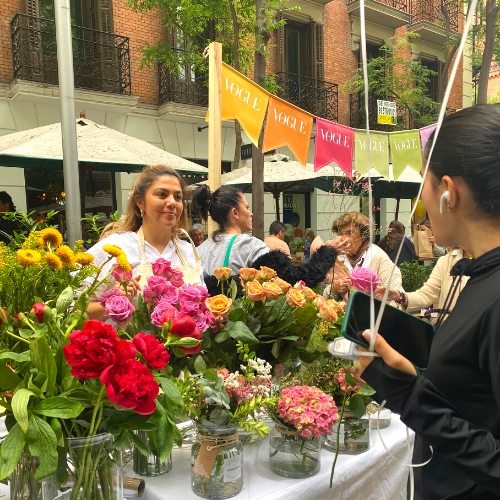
(403,81)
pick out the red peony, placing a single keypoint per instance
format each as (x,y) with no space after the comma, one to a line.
(153,351)
(39,311)
(3,315)
(184,326)
(95,348)
(130,385)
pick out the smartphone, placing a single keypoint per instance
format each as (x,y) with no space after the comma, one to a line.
(410,336)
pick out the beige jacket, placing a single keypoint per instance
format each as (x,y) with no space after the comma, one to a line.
(436,288)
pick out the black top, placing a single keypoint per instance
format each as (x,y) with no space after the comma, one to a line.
(7,228)
(408,253)
(454,406)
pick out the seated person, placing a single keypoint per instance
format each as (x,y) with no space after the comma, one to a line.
(275,240)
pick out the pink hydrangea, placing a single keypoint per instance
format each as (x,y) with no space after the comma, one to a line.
(308,409)
(341,381)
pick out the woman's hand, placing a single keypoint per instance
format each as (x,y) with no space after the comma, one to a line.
(432,240)
(340,243)
(341,285)
(387,353)
(133,287)
(393,294)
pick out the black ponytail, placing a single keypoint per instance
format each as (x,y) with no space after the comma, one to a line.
(217,204)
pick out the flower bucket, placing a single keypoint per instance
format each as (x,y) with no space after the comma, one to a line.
(22,482)
(151,465)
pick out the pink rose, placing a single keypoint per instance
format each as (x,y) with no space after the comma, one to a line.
(159,310)
(201,321)
(162,268)
(299,285)
(119,309)
(192,293)
(191,308)
(104,297)
(120,275)
(176,278)
(365,279)
(169,294)
(157,286)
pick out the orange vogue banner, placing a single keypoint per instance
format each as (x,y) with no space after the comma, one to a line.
(288,126)
(243,100)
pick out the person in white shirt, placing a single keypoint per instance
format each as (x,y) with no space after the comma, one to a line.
(148,231)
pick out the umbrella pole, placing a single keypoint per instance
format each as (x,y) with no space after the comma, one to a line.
(277,201)
(66,77)
(398,200)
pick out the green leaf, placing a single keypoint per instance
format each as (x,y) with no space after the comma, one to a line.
(357,405)
(20,407)
(200,365)
(43,359)
(163,437)
(83,300)
(8,379)
(350,379)
(238,315)
(345,363)
(64,300)
(42,443)
(139,443)
(11,450)
(233,289)
(366,390)
(20,357)
(186,342)
(275,351)
(254,324)
(222,336)
(171,391)
(306,315)
(57,428)
(240,331)
(211,374)
(59,407)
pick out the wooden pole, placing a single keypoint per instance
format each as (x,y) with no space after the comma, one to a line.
(214,121)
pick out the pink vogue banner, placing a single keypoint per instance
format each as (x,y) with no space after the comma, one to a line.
(425,133)
(333,142)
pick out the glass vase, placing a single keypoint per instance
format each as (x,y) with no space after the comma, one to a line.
(294,456)
(216,463)
(94,470)
(382,419)
(23,485)
(354,436)
(151,465)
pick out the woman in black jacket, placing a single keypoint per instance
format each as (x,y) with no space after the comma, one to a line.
(390,244)
(454,406)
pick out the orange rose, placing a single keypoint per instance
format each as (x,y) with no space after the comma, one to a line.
(222,273)
(272,290)
(309,295)
(327,311)
(282,284)
(319,301)
(219,305)
(294,298)
(255,291)
(266,273)
(336,306)
(248,273)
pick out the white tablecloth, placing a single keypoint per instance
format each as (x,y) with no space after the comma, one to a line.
(369,475)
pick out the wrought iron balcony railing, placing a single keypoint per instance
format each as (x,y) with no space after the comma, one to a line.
(315,96)
(431,11)
(101,61)
(402,5)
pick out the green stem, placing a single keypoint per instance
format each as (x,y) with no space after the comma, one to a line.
(338,435)
(21,288)
(304,455)
(16,337)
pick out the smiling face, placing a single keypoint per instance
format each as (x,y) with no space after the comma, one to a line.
(163,202)
(198,237)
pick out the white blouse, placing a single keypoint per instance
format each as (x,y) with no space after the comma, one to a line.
(128,242)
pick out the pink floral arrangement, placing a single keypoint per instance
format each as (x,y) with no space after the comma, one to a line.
(340,379)
(365,279)
(307,409)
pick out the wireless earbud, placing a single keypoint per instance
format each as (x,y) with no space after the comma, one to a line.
(444,197)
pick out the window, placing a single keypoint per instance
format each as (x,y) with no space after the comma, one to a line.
(432,84)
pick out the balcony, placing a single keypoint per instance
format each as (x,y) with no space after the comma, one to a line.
(101,61)
(389,13)
(429,21)
(314,96)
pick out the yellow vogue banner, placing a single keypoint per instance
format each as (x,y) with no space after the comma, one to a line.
(288,125)
(379,152)
(243,100)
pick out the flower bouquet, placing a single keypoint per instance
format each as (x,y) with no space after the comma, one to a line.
(364,279)
(302,414)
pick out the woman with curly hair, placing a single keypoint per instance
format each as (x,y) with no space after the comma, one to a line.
(390,244)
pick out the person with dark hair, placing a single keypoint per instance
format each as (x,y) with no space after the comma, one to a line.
(150,229)
(275,240)
(229,247)
(7,227)
(390,244)
(453,406)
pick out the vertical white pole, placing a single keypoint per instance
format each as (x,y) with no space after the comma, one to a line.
(68,119)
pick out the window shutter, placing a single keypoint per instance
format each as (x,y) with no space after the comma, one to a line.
(31,8)
(318,51)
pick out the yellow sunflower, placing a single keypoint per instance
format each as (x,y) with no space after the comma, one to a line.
(53,261)
(123,263)
(28,258)
(113,250)
(66,255)
(84,258)
(50,237)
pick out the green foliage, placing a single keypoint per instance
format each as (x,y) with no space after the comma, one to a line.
(297,244)
(414,275)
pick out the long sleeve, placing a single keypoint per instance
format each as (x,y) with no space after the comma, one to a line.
(431,290)
(474,451)
(384,266)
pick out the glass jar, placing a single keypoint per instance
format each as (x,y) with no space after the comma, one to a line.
(94,471)
(354,436)
(294,456)
(151,465)
(216,463)
(23,485)
(382,418)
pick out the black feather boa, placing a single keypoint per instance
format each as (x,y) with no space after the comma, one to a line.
(311,272)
